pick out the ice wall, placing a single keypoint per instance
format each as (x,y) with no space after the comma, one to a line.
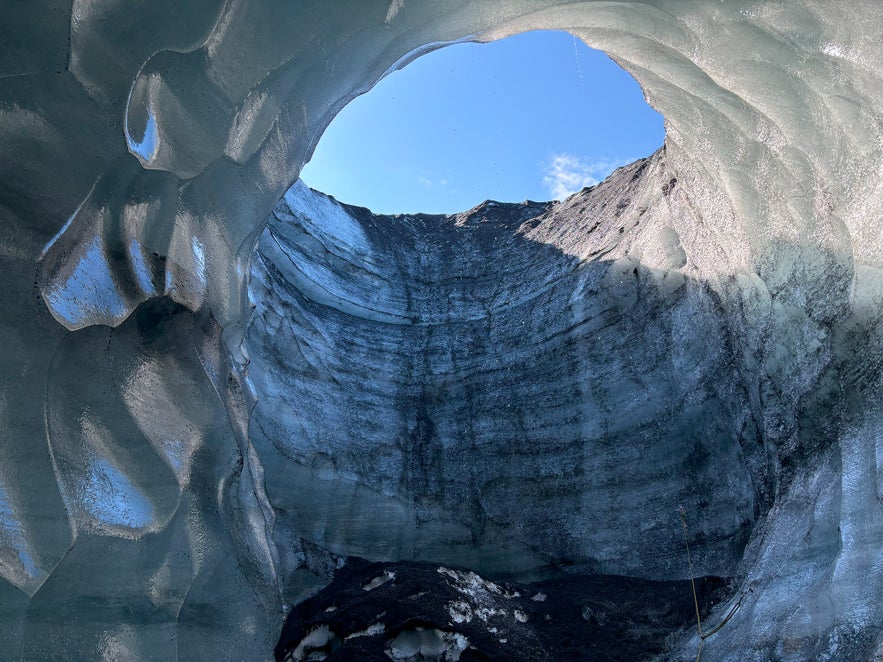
(509,388)
(143,145)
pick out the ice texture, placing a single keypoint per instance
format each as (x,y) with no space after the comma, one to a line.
(163,493)
(462,388)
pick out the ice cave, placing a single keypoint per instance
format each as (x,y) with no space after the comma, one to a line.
(241,419)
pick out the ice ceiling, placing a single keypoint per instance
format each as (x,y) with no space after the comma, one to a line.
(144,145)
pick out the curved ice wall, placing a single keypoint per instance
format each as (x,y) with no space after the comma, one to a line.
(143,146)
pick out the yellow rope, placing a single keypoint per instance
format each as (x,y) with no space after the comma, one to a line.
(703,637)
(692,581)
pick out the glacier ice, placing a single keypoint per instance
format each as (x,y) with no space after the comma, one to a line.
(479,372)
(168,482)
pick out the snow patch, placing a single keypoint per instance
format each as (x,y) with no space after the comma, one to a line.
(427,644)
(380,580)
(460,612)
(370,631)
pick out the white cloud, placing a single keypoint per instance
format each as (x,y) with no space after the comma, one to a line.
(565,174)
(430,183)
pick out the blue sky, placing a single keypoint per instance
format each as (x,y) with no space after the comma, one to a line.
(535,116)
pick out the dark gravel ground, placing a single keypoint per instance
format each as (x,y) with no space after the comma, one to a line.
(417,609)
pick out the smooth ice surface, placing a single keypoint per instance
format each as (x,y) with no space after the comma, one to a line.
(144,146)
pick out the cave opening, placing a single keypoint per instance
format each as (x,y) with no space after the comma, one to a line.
(430,387)
(426,377)
(538,115)
(463,389)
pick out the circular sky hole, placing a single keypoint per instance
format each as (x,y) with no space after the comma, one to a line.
(536,116)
